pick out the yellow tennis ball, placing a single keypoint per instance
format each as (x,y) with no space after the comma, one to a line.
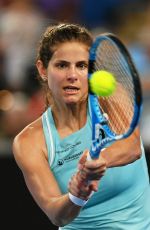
(102,83)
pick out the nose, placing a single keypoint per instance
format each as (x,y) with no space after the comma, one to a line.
(72,74)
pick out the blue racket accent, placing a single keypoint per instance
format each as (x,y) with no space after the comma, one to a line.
(123,109)
(99,127)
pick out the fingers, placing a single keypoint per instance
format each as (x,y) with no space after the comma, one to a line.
(93,170)
(79,188)
(94,185)
(94,174)
(82,160)
(96,163)
(86,180)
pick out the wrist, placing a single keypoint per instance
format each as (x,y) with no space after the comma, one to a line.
(77,201)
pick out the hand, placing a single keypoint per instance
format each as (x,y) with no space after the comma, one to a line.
(79,187)
(93,169)
(86,180)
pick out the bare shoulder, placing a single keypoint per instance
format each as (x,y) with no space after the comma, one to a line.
(29,143)
(33,129)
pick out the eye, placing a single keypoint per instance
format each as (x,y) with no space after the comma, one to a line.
(82,65)
(61,65)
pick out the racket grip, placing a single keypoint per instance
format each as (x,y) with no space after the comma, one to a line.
(95,155)
(89,157)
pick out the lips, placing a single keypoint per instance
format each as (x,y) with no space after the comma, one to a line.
(71,88)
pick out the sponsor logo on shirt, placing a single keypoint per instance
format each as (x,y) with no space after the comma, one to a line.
(60,162)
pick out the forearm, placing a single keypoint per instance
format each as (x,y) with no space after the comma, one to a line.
(123,152)
(57,206)
(61,210)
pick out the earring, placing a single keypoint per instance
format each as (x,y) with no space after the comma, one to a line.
(44,78)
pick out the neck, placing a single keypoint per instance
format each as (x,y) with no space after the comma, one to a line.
(70,118)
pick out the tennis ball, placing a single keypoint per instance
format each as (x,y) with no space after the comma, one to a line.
(102,83)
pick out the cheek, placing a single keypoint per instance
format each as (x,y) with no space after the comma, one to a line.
(85,83)
(54,81)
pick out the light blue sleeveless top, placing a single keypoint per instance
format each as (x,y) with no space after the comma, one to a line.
(123,199)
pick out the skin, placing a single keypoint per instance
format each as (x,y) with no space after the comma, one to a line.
(67,79)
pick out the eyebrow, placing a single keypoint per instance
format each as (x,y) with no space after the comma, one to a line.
(64,61)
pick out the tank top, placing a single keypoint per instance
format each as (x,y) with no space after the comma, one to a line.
(123,199)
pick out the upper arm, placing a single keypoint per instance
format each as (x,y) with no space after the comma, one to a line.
(31,159)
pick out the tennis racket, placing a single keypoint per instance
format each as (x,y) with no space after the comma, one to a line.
(113,117)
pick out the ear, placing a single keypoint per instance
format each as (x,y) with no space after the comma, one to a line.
(42,70)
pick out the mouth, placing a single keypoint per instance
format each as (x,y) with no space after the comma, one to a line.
(71,89)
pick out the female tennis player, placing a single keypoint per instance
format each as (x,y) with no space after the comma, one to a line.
(111,192)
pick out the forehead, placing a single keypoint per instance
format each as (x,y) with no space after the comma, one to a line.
(69,49)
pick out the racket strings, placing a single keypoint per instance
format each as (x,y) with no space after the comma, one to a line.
(118,120)
(113,66)
(121,104)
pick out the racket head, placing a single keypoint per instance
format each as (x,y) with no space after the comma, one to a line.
(124,106)
(109,53)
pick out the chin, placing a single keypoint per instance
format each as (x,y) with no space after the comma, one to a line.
(73,101)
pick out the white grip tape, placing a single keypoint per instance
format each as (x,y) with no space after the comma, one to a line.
(77,200)
(89,158)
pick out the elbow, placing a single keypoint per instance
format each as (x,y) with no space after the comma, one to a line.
(55,219)
(59,223)
(137,154)
(136,147)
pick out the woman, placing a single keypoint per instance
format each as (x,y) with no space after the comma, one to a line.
(52,151)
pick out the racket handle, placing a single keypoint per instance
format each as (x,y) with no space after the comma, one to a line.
(89,158)
(94,154)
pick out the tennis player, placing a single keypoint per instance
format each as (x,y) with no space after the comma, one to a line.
(52,150)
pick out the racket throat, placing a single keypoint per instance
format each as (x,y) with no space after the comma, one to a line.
(97,147)
(98,136)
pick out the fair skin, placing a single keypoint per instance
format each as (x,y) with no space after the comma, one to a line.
(67,79)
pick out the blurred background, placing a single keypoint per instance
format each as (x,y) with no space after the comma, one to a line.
(21,100)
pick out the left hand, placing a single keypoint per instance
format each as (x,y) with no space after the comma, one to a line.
(92,170)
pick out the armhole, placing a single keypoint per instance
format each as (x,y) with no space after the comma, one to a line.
(142,146)
(48,138)
(89,107)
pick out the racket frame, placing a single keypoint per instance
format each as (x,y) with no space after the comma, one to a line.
(99,122)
